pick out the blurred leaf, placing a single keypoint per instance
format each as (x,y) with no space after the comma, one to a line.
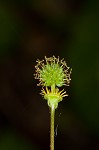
(8,29)
(9,140)
(84,56)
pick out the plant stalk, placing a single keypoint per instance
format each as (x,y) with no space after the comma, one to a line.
(52,128)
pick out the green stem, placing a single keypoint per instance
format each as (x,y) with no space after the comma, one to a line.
(52,128)
(53,88)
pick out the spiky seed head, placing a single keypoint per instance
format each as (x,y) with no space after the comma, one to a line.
(52,71)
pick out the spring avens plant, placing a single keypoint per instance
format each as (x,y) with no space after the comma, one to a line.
(52,74)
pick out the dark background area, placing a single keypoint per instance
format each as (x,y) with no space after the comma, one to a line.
(30,30)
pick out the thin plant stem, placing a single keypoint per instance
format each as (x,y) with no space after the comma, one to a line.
(52,128)
(52,73)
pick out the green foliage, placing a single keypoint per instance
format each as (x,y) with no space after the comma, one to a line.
(84,56)
(10,140)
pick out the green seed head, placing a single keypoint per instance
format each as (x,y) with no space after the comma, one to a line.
(52,71)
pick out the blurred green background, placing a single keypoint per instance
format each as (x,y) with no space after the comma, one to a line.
(33,29)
